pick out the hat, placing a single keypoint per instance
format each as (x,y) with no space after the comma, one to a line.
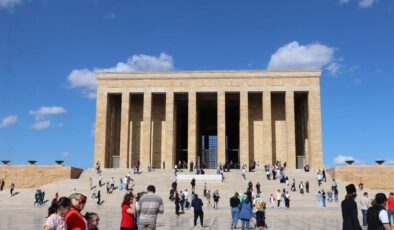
(351,188)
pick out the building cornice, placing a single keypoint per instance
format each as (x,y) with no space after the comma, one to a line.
(210,74)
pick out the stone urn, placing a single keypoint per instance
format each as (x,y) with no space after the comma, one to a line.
(59,162)
(379,162)
(349,162)
(5,162)
(32,162)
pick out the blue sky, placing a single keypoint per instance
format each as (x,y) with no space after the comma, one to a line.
(49,50)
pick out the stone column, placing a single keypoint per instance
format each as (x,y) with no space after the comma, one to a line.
(146,131)
(290,137)
(221,125)
(192,127)
(124,131)
(169,133)
(244,129)
(267,127)
(101,124)
(315,158)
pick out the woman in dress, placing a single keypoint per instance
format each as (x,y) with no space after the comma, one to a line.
(56,213)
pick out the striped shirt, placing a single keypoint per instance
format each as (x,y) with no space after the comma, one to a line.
(149,205)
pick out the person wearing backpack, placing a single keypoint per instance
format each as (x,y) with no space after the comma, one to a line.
(259,205)
(377,216)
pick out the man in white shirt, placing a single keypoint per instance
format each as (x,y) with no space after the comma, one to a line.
(377,215)
(364,205)
(186,194)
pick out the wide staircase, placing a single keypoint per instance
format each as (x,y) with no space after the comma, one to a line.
(302,214)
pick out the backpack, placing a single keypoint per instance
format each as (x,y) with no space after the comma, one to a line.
(373,217)
(259,204)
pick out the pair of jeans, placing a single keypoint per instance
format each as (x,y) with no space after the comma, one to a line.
(391,215)
(364,212)
(198,213)
(234,216)
(245,224)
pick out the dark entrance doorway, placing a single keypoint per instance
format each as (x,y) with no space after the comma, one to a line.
(207,129)
(181,125)
(232,129)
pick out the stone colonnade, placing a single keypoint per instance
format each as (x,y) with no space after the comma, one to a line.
(271,133)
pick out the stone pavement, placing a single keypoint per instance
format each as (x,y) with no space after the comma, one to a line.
(18,212)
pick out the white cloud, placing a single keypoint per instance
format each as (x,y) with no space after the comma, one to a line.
(9,120)
(44,112)
(296,56)
(42,115)
(334,68)
(85,80)
(366,3)
(390,162)
(361,3)
(66,154)
(38,125)
(9,4)
(341,159)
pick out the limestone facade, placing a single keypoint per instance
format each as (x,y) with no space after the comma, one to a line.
(160,118)
(379,177)
(31,176)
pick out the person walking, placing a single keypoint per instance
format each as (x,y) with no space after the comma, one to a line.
(193,183)
(323,195)
(319,200)
(278,196)
(364,205)
(301,187)
(128,205)
(177,201)
(209,198)
(377,216)
(349,209)
(99,197)
(198,212)
(127,221)
(246,211)
(243,172)
(287,199)
(235,205)
(12,187)
(336,193)
(74,218)
(216,197)
(100,180)
(258,188)
(272,201)
(149,206)
(259,205)
(56,213)
(307,186)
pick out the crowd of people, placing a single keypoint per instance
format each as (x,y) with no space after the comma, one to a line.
(140,210)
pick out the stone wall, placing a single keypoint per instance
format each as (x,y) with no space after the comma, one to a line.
(30,176)
(379,177)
